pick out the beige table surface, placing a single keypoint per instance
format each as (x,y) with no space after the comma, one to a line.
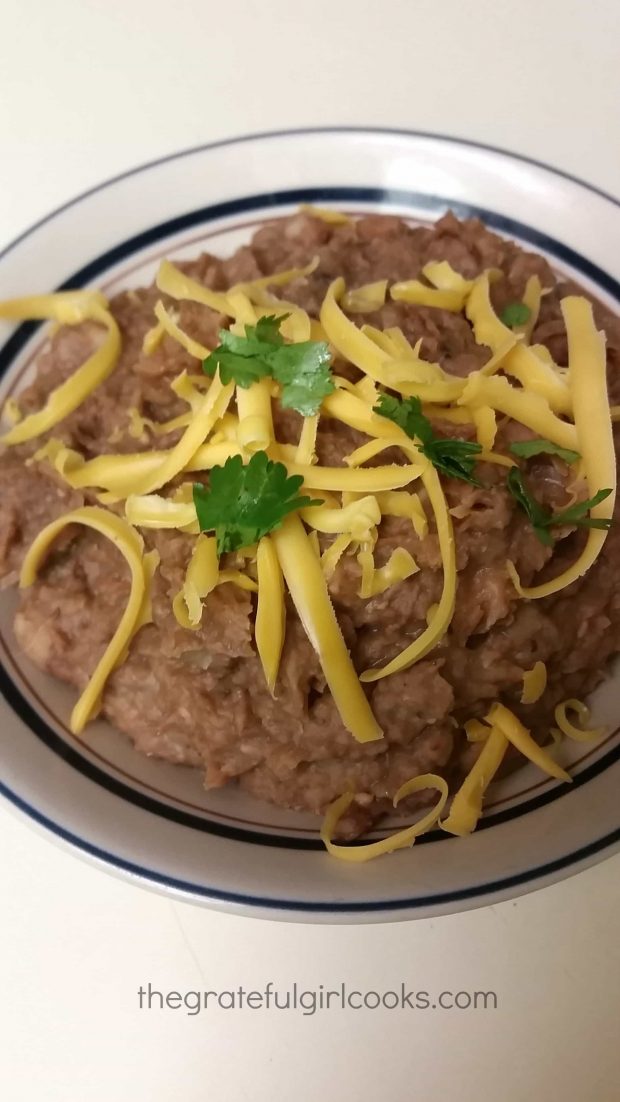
(87,89)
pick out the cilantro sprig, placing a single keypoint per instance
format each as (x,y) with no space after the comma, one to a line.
(515,314)
(542,519)
(455,458)
(301,369)
(243,503)
(525,449)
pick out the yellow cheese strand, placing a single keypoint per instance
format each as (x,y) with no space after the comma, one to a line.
(129,543)
(123,474)
(443,276)
(190,388)
(403,839)
(214,405)
(413,291)
(486,426)
(154,511)
(255,428)
(332,556)
(366,480)
(581,733)
(440,623)
(349,341)
(11,411)
(534,683)
(375,580)
(356,518)
(306,584)
(501,717)
(174,283)
(594,435)
(522,405)
(201,577)
(270,611)
(306,449)
(399,503)
(152,339)
(521,362)
(466,806)
(332,217)
(65,308)
(169,326)
(476,731)
(532,297)
(365,299)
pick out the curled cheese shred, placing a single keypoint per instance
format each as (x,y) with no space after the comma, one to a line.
(415,292)
(364,480)
(522,362)
(137,610)
(532,297)
(403,839)
(476,731)
(214,405)
(170,326)
(306,584)
(443,276)
(400,503)
(534,683)
(324,214)
(65,308)
(583,733)
(375,580)
(365,299)
(306,448)
(466,807)
(594,435)
(270,611)
(356,518)
(440,622)
(332,556)
(501,717)
(155,511)
(255,427)
(202,576)
(485,422)
(522,405)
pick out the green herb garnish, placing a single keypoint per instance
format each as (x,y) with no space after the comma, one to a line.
(541,517)
(515,314)
(527,448)
(243,503)
(455,458)
(301,369)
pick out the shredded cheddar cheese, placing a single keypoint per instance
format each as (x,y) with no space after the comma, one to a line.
(466,807)
(505,720)
(129,543)
(583,733)
(306,584)
(403,839)
(534,683)
(519,381)
(65,308)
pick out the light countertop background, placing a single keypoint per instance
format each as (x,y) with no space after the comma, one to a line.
(89,88)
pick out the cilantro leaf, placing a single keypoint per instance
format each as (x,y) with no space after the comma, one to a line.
(301,369)
(516,313)
(527,448)
(455,458)
(577,513)
(541,517)
(538,515)
(243,503)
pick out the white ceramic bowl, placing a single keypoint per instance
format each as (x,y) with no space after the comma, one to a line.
(154,822)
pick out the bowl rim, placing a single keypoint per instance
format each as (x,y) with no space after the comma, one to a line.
(474,895)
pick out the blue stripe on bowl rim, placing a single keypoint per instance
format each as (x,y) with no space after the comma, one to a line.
(37,725)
